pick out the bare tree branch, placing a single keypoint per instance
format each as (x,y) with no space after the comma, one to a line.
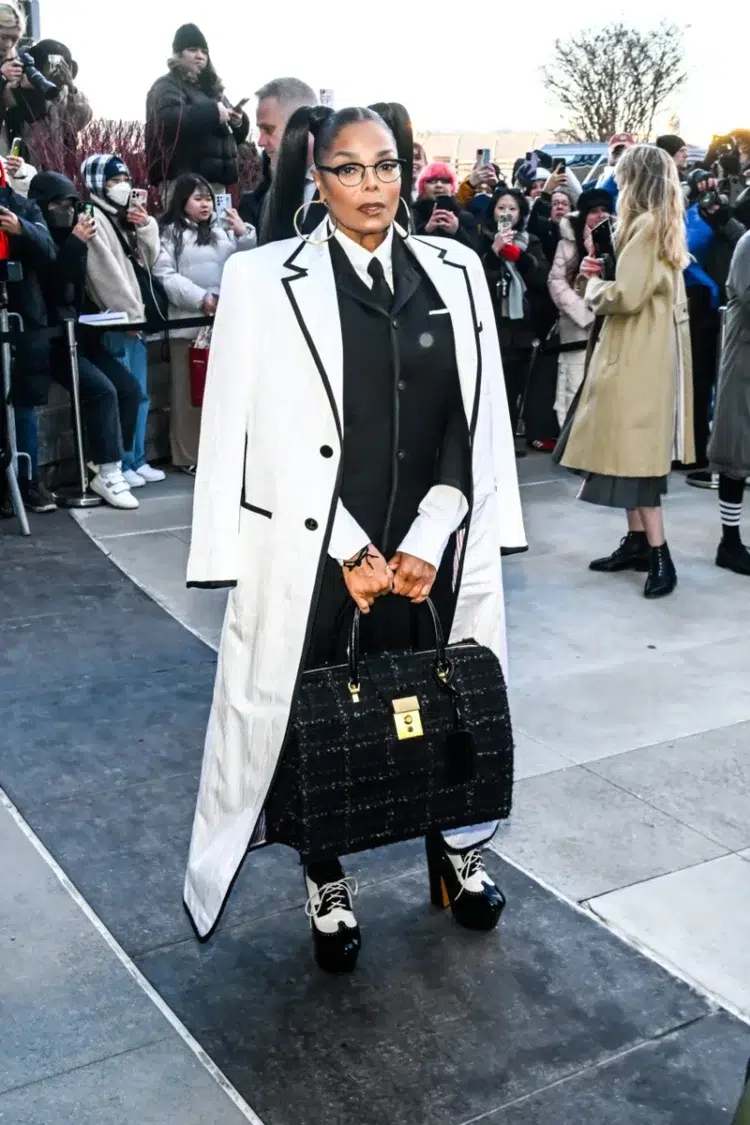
(615,79)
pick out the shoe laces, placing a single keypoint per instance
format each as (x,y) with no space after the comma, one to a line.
(471,864)
(332,896)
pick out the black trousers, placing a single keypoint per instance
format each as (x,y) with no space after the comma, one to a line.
(110,397)
(516,371)
(704,341)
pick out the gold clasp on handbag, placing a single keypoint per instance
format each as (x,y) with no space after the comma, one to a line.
(407,718)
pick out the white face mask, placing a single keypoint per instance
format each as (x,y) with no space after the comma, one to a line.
(119,194)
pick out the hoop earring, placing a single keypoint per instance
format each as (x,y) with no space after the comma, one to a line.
(409,230)
(306,237)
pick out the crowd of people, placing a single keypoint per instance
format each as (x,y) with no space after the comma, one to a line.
(415,334)
(532,230)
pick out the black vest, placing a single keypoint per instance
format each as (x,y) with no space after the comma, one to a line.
(404,423)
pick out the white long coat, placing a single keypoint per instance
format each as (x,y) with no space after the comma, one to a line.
(265,498)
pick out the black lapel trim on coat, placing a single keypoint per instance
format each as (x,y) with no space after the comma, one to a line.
(288,282)
(443,255)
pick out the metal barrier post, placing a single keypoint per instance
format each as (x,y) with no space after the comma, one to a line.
(11,470)
(76,495)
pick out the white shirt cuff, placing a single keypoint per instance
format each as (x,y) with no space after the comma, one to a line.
(440,514)
(347,537)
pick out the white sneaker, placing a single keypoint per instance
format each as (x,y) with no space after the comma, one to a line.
(133,479)
(151,476)
(114,489)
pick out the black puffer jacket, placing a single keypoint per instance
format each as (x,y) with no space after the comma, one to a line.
(34,249)
(184,132)
(518,335)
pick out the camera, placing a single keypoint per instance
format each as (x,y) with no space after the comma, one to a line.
(35,78)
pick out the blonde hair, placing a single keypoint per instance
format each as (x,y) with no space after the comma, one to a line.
(649,185)
(11,16)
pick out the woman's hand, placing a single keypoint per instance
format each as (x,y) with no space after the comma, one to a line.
(85,228)
(368,581)
(210,304)
(10,222)
(13,164)
(12,71)
(234,223)
(413,577)
(138,216)
(225,115)
(504,238)
(591,267)
(556,180)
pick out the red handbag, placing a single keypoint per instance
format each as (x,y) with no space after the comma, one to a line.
(198,366)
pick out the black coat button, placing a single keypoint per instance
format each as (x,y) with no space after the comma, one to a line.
(326,451)
(401,385)
(311,525)
(401,454)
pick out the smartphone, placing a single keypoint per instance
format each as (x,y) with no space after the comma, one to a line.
(15,148)
(240,105)
(444,203)
(504,222)
(138,197)
(560,164)
(601,236)
(85,209)
(223,203)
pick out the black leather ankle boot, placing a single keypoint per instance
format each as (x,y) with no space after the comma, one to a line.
(632,554)
(662,576)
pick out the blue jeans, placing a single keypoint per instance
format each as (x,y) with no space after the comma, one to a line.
(27,440)
(131,352)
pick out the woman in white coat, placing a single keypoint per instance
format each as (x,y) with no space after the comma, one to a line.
(345,454)
(195,247)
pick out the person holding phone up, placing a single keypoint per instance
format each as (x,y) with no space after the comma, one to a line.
(436,210)
(196,244)
(190,125)
(121,256)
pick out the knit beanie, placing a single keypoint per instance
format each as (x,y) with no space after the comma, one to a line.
(437,170)
(98,169)
(189,36)
(671,143)
(594,197)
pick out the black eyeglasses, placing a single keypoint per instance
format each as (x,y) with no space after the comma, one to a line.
(352,174)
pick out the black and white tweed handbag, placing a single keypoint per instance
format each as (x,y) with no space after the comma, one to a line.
(389,746)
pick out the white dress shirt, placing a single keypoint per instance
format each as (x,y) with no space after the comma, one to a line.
(444,507)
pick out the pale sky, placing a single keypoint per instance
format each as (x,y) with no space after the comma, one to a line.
(456,67)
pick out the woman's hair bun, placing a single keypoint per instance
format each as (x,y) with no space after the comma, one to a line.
(320,115)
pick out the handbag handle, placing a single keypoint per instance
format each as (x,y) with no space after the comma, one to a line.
(443,666)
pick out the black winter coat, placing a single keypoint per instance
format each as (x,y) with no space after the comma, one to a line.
(519,335)
(34,249)
(185,134)
(540,224)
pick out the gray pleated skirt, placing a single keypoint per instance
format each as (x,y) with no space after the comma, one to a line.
(623,492)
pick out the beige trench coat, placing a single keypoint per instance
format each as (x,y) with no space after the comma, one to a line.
(636,409)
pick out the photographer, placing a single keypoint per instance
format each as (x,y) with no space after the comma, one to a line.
(49,124)
(41,105)
(110,395)
(712,234)
(190,124)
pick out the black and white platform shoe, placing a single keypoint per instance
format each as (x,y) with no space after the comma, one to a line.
(336,936)
(460,880)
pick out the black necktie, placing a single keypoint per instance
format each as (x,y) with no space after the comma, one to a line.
(380,289)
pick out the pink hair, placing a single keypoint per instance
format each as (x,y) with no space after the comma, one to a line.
(435,170)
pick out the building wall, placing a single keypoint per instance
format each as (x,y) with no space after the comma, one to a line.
(460,149)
